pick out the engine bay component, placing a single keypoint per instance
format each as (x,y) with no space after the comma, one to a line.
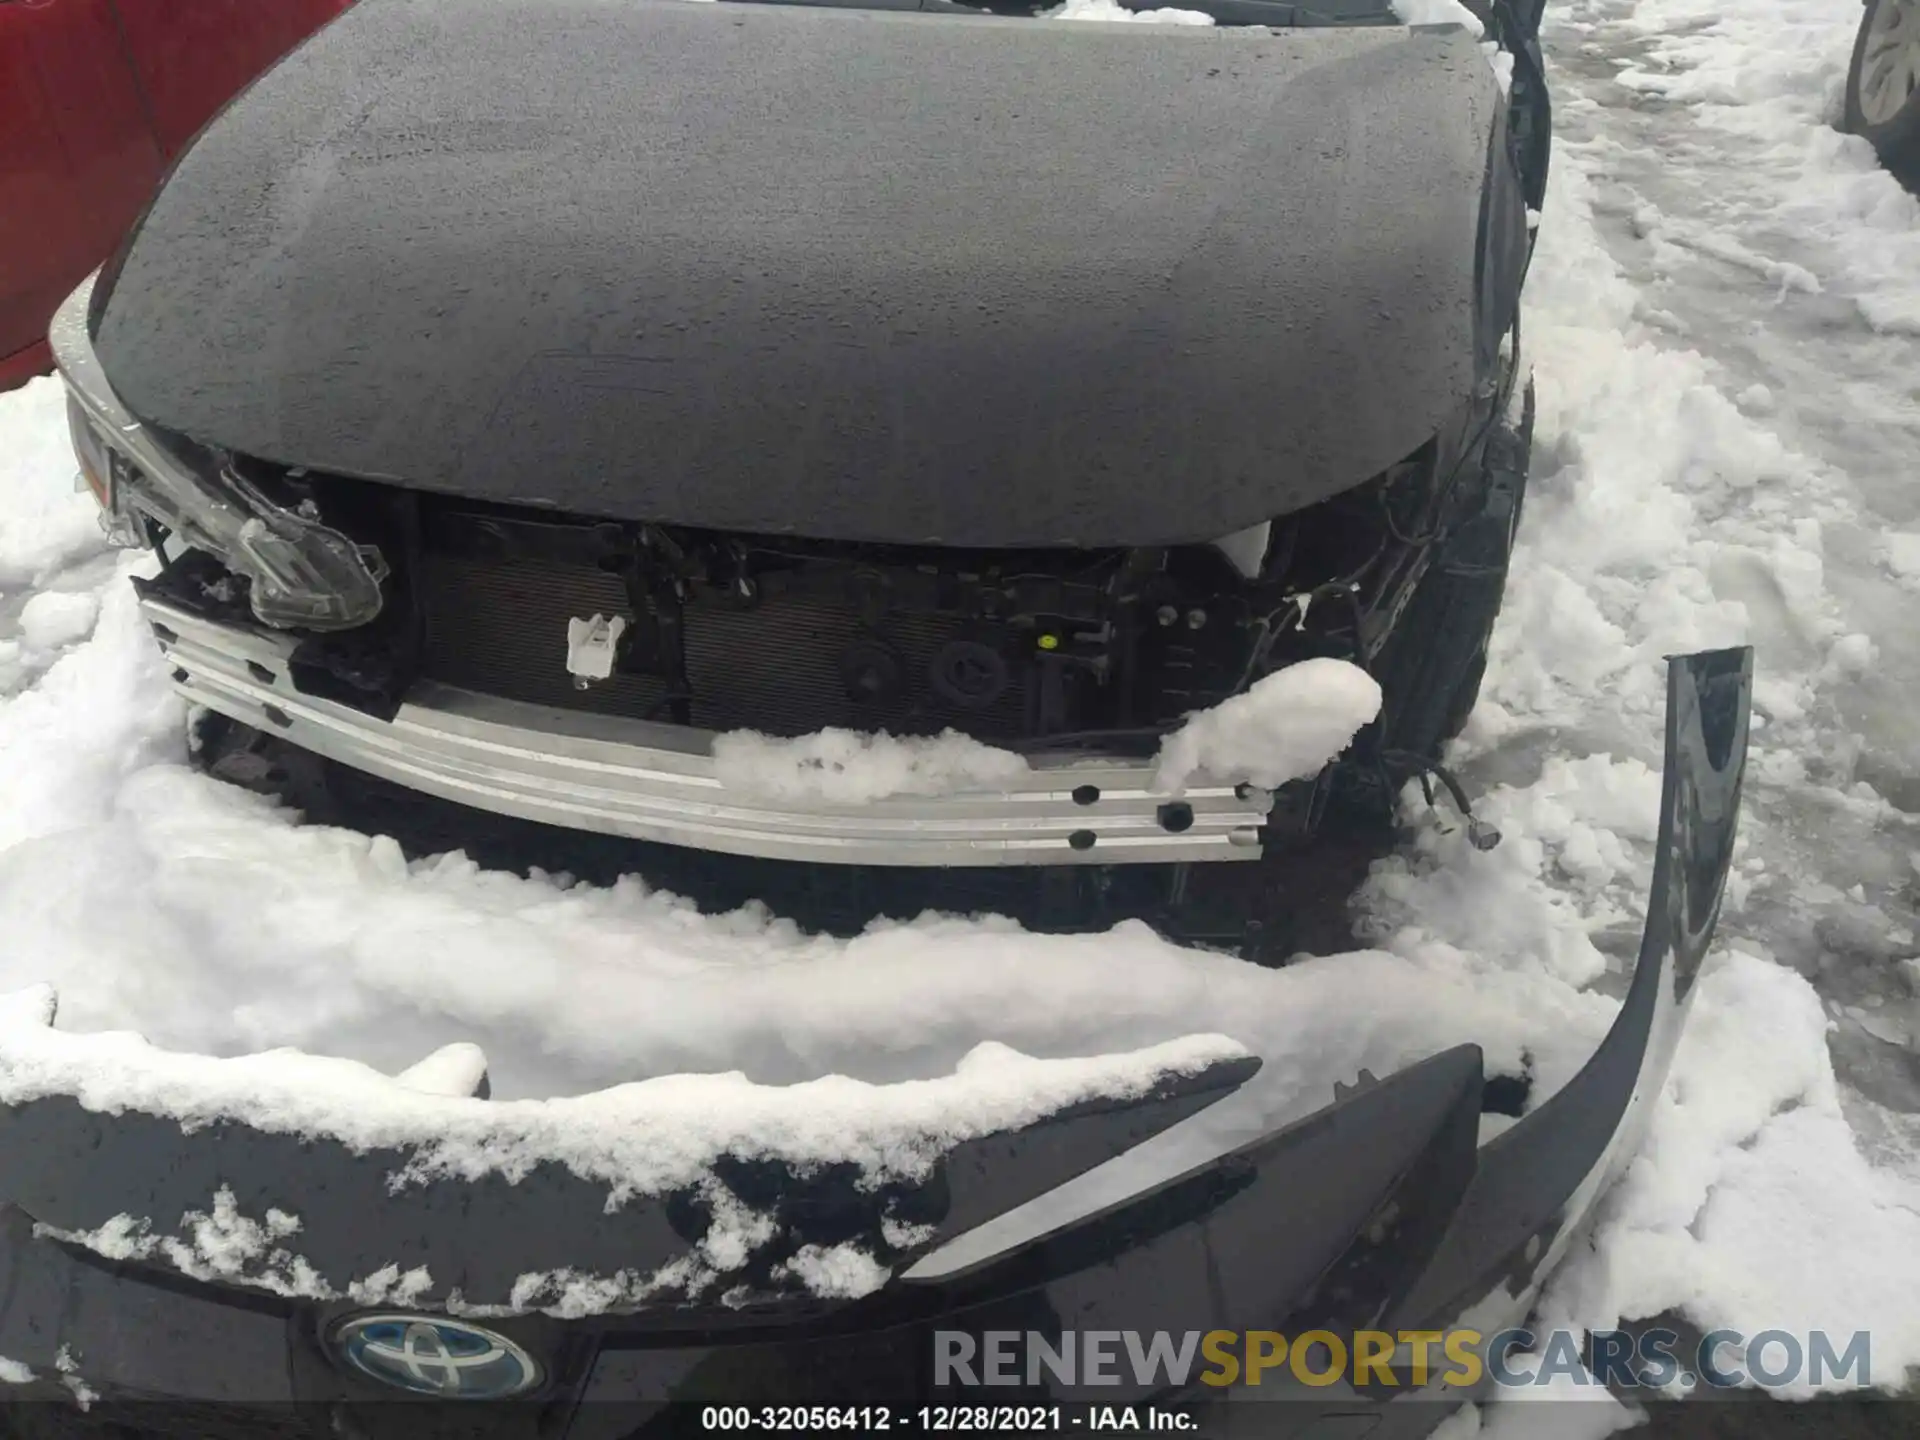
(593,644)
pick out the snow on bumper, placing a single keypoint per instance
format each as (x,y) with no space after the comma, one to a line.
(659,782)
(769,1271)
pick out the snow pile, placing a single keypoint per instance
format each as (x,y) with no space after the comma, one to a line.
(1438,12)
(1113,10)
(837,1271)
(457,1069)
(1286,726)
(1714,1217)
(97,712)
(644,1138)
(1571,868)
(1902,555)
(853,767)
(54,619)
(44,524)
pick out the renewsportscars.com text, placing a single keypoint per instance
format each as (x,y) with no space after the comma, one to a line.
(1656,1358)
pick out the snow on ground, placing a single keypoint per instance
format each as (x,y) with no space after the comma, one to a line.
(1753,441)
(42,528)
(1723,317)
(1112,10)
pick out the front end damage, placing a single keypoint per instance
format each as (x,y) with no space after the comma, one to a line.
(1050,455)
(432,657)
(542,567)
(773,1274)
(374,551)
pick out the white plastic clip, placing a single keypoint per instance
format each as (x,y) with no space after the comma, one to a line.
(591,647)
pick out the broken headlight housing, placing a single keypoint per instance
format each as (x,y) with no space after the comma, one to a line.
(102,473)
(301,572)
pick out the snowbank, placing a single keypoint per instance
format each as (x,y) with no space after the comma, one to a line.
(1112,10)
(852,767)
(1437,12)
(43,523)
(1286,726)
(53,619)
(1747,1156)
(644,1138)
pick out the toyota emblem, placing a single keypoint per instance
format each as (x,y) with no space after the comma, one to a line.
(431,1355)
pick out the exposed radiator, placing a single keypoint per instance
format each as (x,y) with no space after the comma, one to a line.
(500,627)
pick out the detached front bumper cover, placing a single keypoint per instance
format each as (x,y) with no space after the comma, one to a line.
(1380,1211)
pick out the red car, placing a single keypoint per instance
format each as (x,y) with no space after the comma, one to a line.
(96,98)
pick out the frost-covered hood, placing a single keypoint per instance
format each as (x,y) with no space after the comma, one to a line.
(857,275)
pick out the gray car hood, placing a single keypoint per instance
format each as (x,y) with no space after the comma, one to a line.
(855,275)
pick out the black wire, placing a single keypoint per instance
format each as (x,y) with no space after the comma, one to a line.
(1420,767)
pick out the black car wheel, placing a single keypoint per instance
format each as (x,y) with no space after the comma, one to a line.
(1431,669)
(1883,85)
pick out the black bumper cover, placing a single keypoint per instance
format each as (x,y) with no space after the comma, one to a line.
(1377,1212)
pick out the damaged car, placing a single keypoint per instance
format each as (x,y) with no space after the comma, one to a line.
(932,452)
(818,370)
